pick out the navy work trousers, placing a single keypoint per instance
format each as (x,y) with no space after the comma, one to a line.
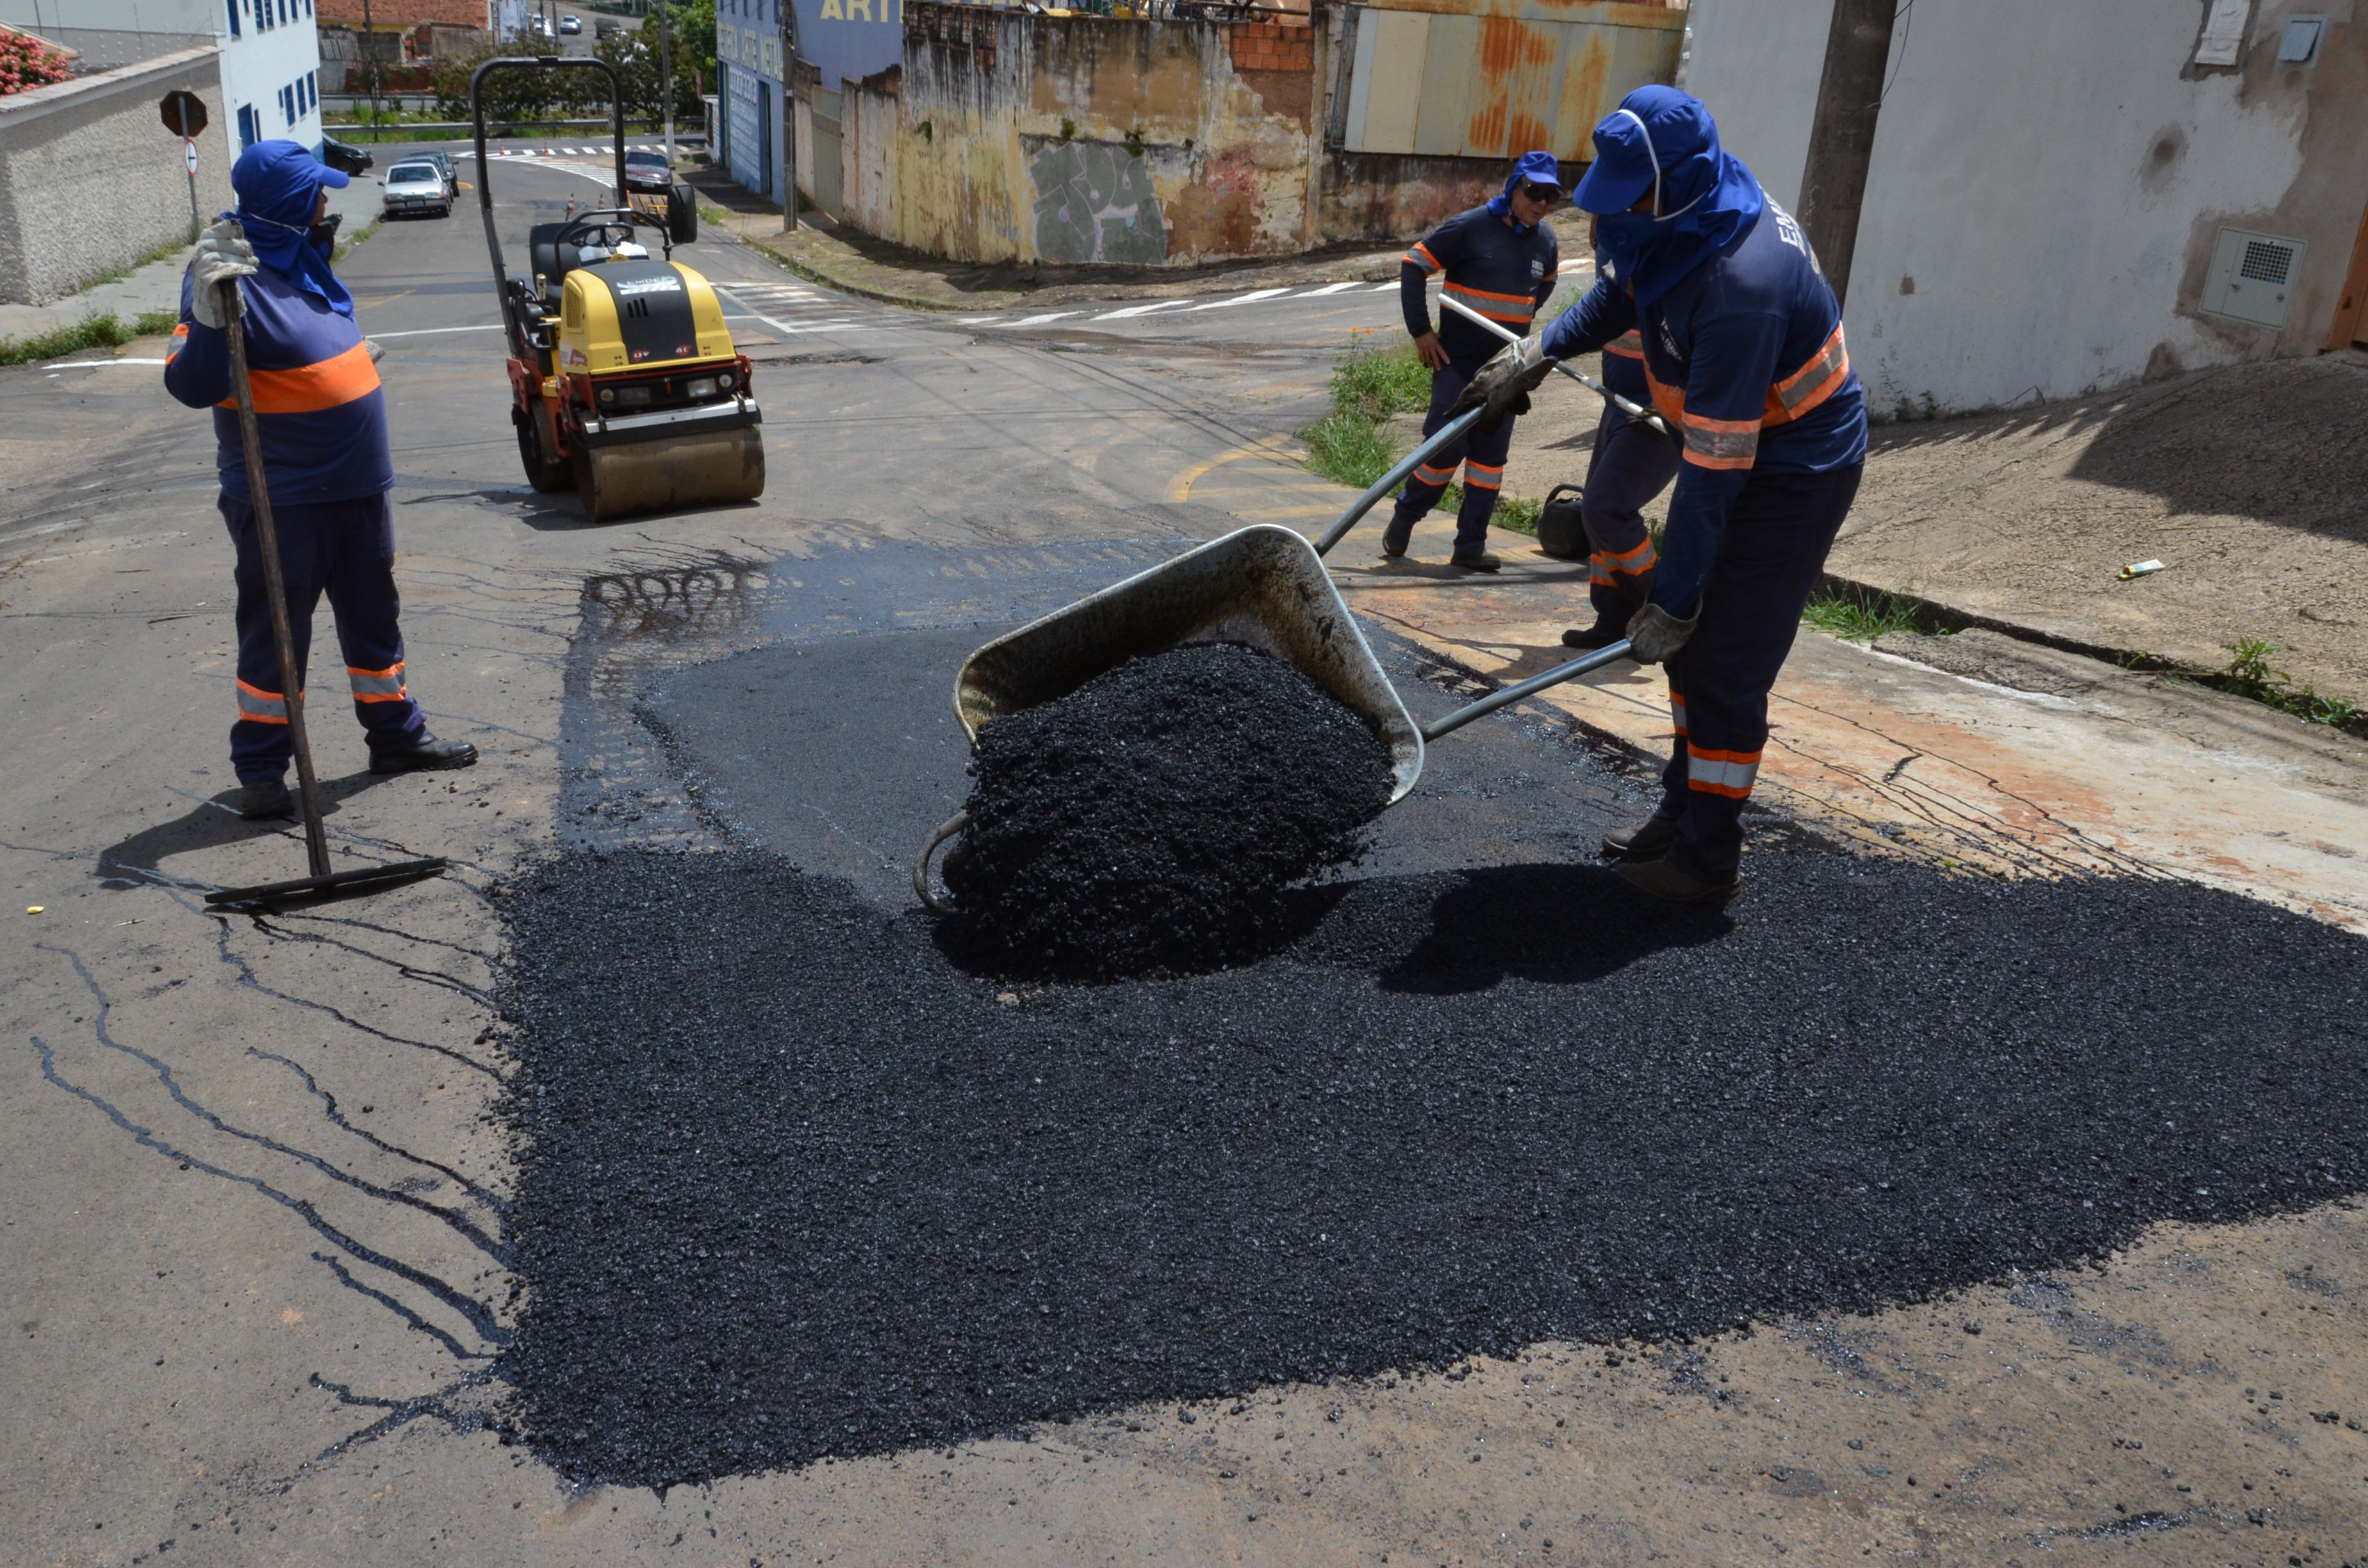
(1633,463)
(1482,453)
(1777,536)
(345,549)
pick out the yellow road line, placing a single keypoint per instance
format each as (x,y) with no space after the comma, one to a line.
(1181,487)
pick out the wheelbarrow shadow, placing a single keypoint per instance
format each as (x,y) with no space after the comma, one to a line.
(1550,924)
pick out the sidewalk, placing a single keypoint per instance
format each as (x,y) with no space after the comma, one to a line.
(156,287)
(840,258)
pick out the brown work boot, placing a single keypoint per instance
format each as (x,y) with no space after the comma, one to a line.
(1476,561)
(1602,634)
(1648,840)
(260,802)
(1658,879)
(1396,537)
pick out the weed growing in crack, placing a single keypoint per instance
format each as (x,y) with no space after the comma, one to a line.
(2250,675)
(1862,618)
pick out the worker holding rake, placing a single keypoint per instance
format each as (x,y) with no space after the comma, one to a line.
(322,420)
(1743,354)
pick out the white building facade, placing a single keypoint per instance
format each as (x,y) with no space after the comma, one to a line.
(2064,198)
(270,54)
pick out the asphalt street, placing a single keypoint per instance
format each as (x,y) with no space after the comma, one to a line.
(260,1260)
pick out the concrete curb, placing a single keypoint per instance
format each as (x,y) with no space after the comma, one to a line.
(828,279)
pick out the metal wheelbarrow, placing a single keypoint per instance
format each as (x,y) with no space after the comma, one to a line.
(1264,585)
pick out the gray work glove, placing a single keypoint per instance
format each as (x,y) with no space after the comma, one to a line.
(223,254)
(1654,634)
(377,349)
(1506,382)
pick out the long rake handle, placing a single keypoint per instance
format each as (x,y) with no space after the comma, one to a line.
(1634,411)
(316,839)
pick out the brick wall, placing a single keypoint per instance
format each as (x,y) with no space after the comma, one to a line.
(1272,46)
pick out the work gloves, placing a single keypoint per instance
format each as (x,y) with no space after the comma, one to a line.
(1506,382)
(1654,633)
(222,255)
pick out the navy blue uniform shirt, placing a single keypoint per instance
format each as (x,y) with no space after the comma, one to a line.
(1504,276)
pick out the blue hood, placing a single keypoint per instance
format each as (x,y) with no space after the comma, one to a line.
(1706,198)
(279,184)
(1535,168)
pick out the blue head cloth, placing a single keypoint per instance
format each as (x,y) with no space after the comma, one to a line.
(1661,145)
(279,184)
(1535,168)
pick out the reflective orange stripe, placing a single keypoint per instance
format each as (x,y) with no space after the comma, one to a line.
(1631,346)
(1428,475)
(1727,773)
(258,706)
(180,340)
(1810,386)
(1469,292)
(1480,476)
(1677,712)
(1598,571)
(1632,561)
(1480,300)
(1667,401)
(331,383)
(377,685)
(1721,443)
(1421,255)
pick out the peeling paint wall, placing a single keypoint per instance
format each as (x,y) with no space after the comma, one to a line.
(1006,136)
(2049,182)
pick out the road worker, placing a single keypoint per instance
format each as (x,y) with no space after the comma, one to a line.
(1499,259)
(1744,356)
(326,460)
(1632,462)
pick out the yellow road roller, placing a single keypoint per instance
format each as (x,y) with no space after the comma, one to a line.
(624,381)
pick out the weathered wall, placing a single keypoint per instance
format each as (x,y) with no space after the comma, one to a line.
(91,181)
(2048,183)
(1083,139)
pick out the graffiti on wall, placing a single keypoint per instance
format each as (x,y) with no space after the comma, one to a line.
(1095,201)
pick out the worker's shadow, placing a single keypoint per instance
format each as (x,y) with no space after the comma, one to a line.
(138,861)
(1553,924)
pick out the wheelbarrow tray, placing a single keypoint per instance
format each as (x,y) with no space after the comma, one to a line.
(1262,586)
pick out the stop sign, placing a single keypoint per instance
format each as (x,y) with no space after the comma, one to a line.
(183,111)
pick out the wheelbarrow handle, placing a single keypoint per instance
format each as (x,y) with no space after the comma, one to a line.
(1452,430)
(1641,415)
(1512,694)
(946,830)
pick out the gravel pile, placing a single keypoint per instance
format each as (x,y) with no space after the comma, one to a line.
(793,1186)
(1154,820)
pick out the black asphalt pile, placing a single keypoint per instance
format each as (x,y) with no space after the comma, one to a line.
(1154,820)
(793,1186)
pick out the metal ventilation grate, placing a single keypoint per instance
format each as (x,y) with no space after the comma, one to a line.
(2265,263)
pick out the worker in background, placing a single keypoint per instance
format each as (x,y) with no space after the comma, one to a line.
(1500,260)
(1632,463)
(1744,357)
(323,420)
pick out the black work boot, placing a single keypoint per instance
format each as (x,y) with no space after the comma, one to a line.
(1648,840)
(257,802)
(425,752)
(1476,561)
(1670,885)
(1396,537)
(1602,634)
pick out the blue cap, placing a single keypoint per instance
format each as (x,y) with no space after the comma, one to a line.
(1537,168)
(1654,129)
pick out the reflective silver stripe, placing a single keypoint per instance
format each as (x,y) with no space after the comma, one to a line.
(1723,444)
(1677,717)
(1720,773)
(376,685)
(1811,377)
(268,707)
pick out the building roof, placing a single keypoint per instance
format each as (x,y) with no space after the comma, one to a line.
(393,14)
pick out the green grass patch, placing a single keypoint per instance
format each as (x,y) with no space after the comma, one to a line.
(1862,618)
(91,331)
(2250,675)
(1347,449)
(1376,382)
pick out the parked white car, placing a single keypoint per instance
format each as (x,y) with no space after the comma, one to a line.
(417,186)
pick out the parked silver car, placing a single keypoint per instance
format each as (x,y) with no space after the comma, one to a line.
(416,185)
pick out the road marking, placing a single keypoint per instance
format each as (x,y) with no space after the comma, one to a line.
(1181,487)
(428,330)
(1289,512)
(1242,299)
(1143,310)
(1331,288)
(1049,315)
(96,364)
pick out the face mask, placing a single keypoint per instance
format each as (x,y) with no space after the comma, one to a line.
(1622,238)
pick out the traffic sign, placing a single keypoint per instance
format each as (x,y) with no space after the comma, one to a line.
(183,111)
(189,156)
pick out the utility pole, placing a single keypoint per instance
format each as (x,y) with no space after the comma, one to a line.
(1841,136)
(788,116)
(370,62)
(666,77)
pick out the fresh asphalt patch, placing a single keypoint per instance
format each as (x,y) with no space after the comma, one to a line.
(793,1185)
